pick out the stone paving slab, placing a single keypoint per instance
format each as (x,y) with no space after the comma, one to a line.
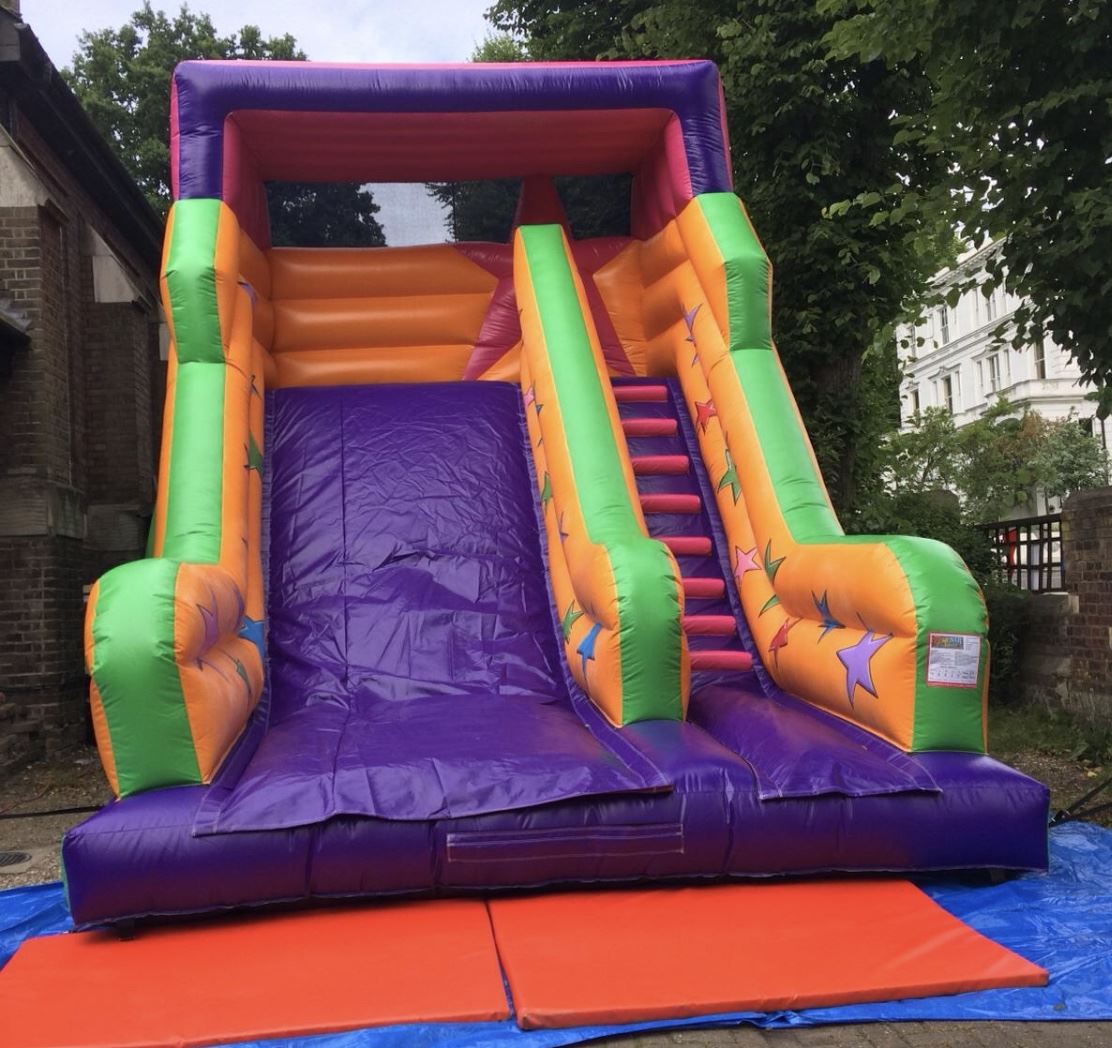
(884,1035)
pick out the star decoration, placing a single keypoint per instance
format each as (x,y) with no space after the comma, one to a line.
(822,606)
(569,620)
(771,566)
(254,388)
(730,478)
(857,659)
(770,603)
(241,671)
(560,528)
(586,649)
(745,560)
(689,320)
(253,630)
(546,491)
(254,455)
(252,294)
(780,638)
(530,395)
(211,630)
(704,413)
(203,662)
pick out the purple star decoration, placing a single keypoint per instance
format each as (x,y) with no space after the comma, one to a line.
(211,630)
(857,659)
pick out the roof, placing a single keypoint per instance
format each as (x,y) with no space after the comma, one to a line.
(44,98)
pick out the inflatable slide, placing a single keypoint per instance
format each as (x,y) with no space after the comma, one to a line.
(491,565)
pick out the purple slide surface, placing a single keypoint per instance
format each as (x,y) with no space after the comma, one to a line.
(414,673)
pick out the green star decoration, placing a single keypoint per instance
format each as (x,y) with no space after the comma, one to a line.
(546,491)
(770,603)
(771,566)
(254,455)
(241,670)
(730,478)
(569,620)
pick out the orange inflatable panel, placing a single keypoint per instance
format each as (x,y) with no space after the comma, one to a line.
(582,958)
(248,978)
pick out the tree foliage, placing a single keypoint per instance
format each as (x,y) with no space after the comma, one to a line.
(1018,106)
(994,465)
(122,78)
(808,132)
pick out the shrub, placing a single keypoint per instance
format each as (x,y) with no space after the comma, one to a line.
(1008,623)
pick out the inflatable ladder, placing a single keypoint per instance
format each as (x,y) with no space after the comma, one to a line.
(675,514)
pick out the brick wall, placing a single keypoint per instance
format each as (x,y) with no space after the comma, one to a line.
(1087,548)
(41,616)
(1068,656)
(78,447)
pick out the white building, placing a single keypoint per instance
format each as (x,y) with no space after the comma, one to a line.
(951,360)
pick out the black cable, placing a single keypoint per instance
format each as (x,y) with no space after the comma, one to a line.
(1076,811)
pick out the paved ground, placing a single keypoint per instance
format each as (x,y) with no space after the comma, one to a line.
(75,779)
(887,1035)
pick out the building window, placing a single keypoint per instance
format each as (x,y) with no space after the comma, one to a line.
(1039,353)
(994,373)
(944,324)
(915,402)
(950,392)
(990,306)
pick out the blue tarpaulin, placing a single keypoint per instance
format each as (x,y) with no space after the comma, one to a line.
(1061,920)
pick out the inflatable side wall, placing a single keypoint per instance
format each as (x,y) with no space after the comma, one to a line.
(839,620)
(618,591)
(174,643)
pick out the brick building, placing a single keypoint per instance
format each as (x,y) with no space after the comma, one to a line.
(80,386)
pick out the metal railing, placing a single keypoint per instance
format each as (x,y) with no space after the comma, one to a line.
(1029,552)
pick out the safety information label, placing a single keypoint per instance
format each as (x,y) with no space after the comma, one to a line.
(954,660)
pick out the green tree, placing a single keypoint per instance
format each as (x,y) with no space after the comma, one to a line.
(122,78)
(1070,459)
(808,133)
(1018,105)
(994,466)
(500,47)
(997,470)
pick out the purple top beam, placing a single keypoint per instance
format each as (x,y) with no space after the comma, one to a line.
(206,93)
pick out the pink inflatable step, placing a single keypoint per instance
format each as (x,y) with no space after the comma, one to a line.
(687,545)
(641,394)
(660,465)
(709,625)
(669,503)
(704,589)
(733,661)
(649,427)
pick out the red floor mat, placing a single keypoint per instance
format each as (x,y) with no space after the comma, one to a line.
(241,979)
(626,956)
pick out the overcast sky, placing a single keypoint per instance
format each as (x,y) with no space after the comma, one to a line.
(327,30)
